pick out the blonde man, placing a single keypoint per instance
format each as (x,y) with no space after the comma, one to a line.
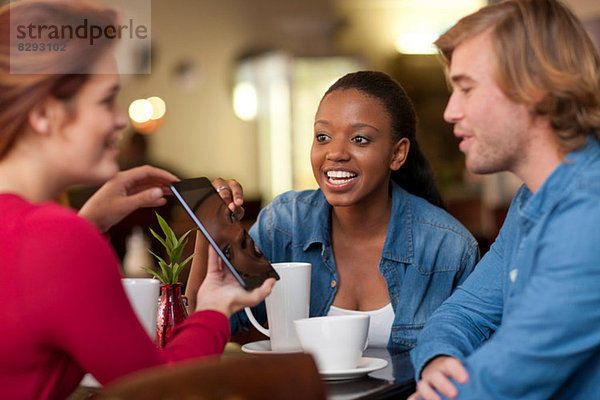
(526,99)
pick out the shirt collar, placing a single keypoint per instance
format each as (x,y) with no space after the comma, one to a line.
(397,243)
(398,246)
(320,221)
(532,206)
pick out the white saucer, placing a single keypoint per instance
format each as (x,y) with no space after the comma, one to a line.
(264,347)
(365,366)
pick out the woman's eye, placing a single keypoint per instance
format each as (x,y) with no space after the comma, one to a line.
(320,137)
(257,251)
(360,139)
(109,102)
(227,252)
(232,219)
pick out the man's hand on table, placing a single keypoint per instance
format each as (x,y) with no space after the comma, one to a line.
(436,377)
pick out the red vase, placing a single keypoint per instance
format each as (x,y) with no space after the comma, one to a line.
(171,312)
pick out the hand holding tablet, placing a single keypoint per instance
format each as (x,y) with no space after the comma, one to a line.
(224,232)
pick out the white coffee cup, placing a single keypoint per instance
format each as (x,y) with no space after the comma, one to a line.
(289,300)
(336,342)
(143,295)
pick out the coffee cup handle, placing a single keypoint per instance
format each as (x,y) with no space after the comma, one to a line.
(255,323)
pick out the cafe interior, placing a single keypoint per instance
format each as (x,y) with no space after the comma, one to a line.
(229,89)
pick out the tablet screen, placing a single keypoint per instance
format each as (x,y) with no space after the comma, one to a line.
(225,233)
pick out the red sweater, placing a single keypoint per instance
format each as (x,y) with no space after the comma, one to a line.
(63,310)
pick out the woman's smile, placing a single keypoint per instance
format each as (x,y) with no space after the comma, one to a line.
(338,179)
(111,143)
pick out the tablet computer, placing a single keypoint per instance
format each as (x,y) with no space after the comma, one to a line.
(223,231)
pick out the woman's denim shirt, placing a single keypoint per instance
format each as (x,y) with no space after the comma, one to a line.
(426,255)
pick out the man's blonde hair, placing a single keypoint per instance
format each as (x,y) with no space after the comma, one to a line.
(545,59)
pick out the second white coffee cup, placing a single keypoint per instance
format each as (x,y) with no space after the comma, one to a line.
(289,300)
(143,296)
(336,342)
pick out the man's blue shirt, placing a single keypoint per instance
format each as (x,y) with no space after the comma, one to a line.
(426,254)
(526,323)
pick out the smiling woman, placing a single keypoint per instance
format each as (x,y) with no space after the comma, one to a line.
(375,233)
(61,294)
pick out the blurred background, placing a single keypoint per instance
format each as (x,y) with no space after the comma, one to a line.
(234,85)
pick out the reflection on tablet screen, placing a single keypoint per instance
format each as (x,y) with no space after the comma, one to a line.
(224,231)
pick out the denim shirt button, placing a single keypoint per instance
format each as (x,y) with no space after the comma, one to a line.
(333,283)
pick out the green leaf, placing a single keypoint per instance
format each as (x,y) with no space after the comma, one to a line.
(187,260)
(174,248)
(160,239)
(159,258)
(156,274)
(169,234)
(166,271)
(179,267)
(176,270)
(184,236)
(176,254)
(181,243)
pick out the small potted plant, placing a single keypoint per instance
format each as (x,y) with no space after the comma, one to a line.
(171,310)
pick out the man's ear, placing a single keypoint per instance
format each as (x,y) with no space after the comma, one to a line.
(401,148)
(44,116)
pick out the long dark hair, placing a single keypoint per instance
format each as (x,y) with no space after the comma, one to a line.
(416,175)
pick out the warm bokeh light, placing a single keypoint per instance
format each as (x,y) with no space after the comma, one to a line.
(147,127)
(147,115)
(158,107)
(140,111)
(416,43)
(245,102)
(408,26)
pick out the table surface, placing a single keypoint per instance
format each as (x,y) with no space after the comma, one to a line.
(395,381)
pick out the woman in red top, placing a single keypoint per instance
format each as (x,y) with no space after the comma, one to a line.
(63,310)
